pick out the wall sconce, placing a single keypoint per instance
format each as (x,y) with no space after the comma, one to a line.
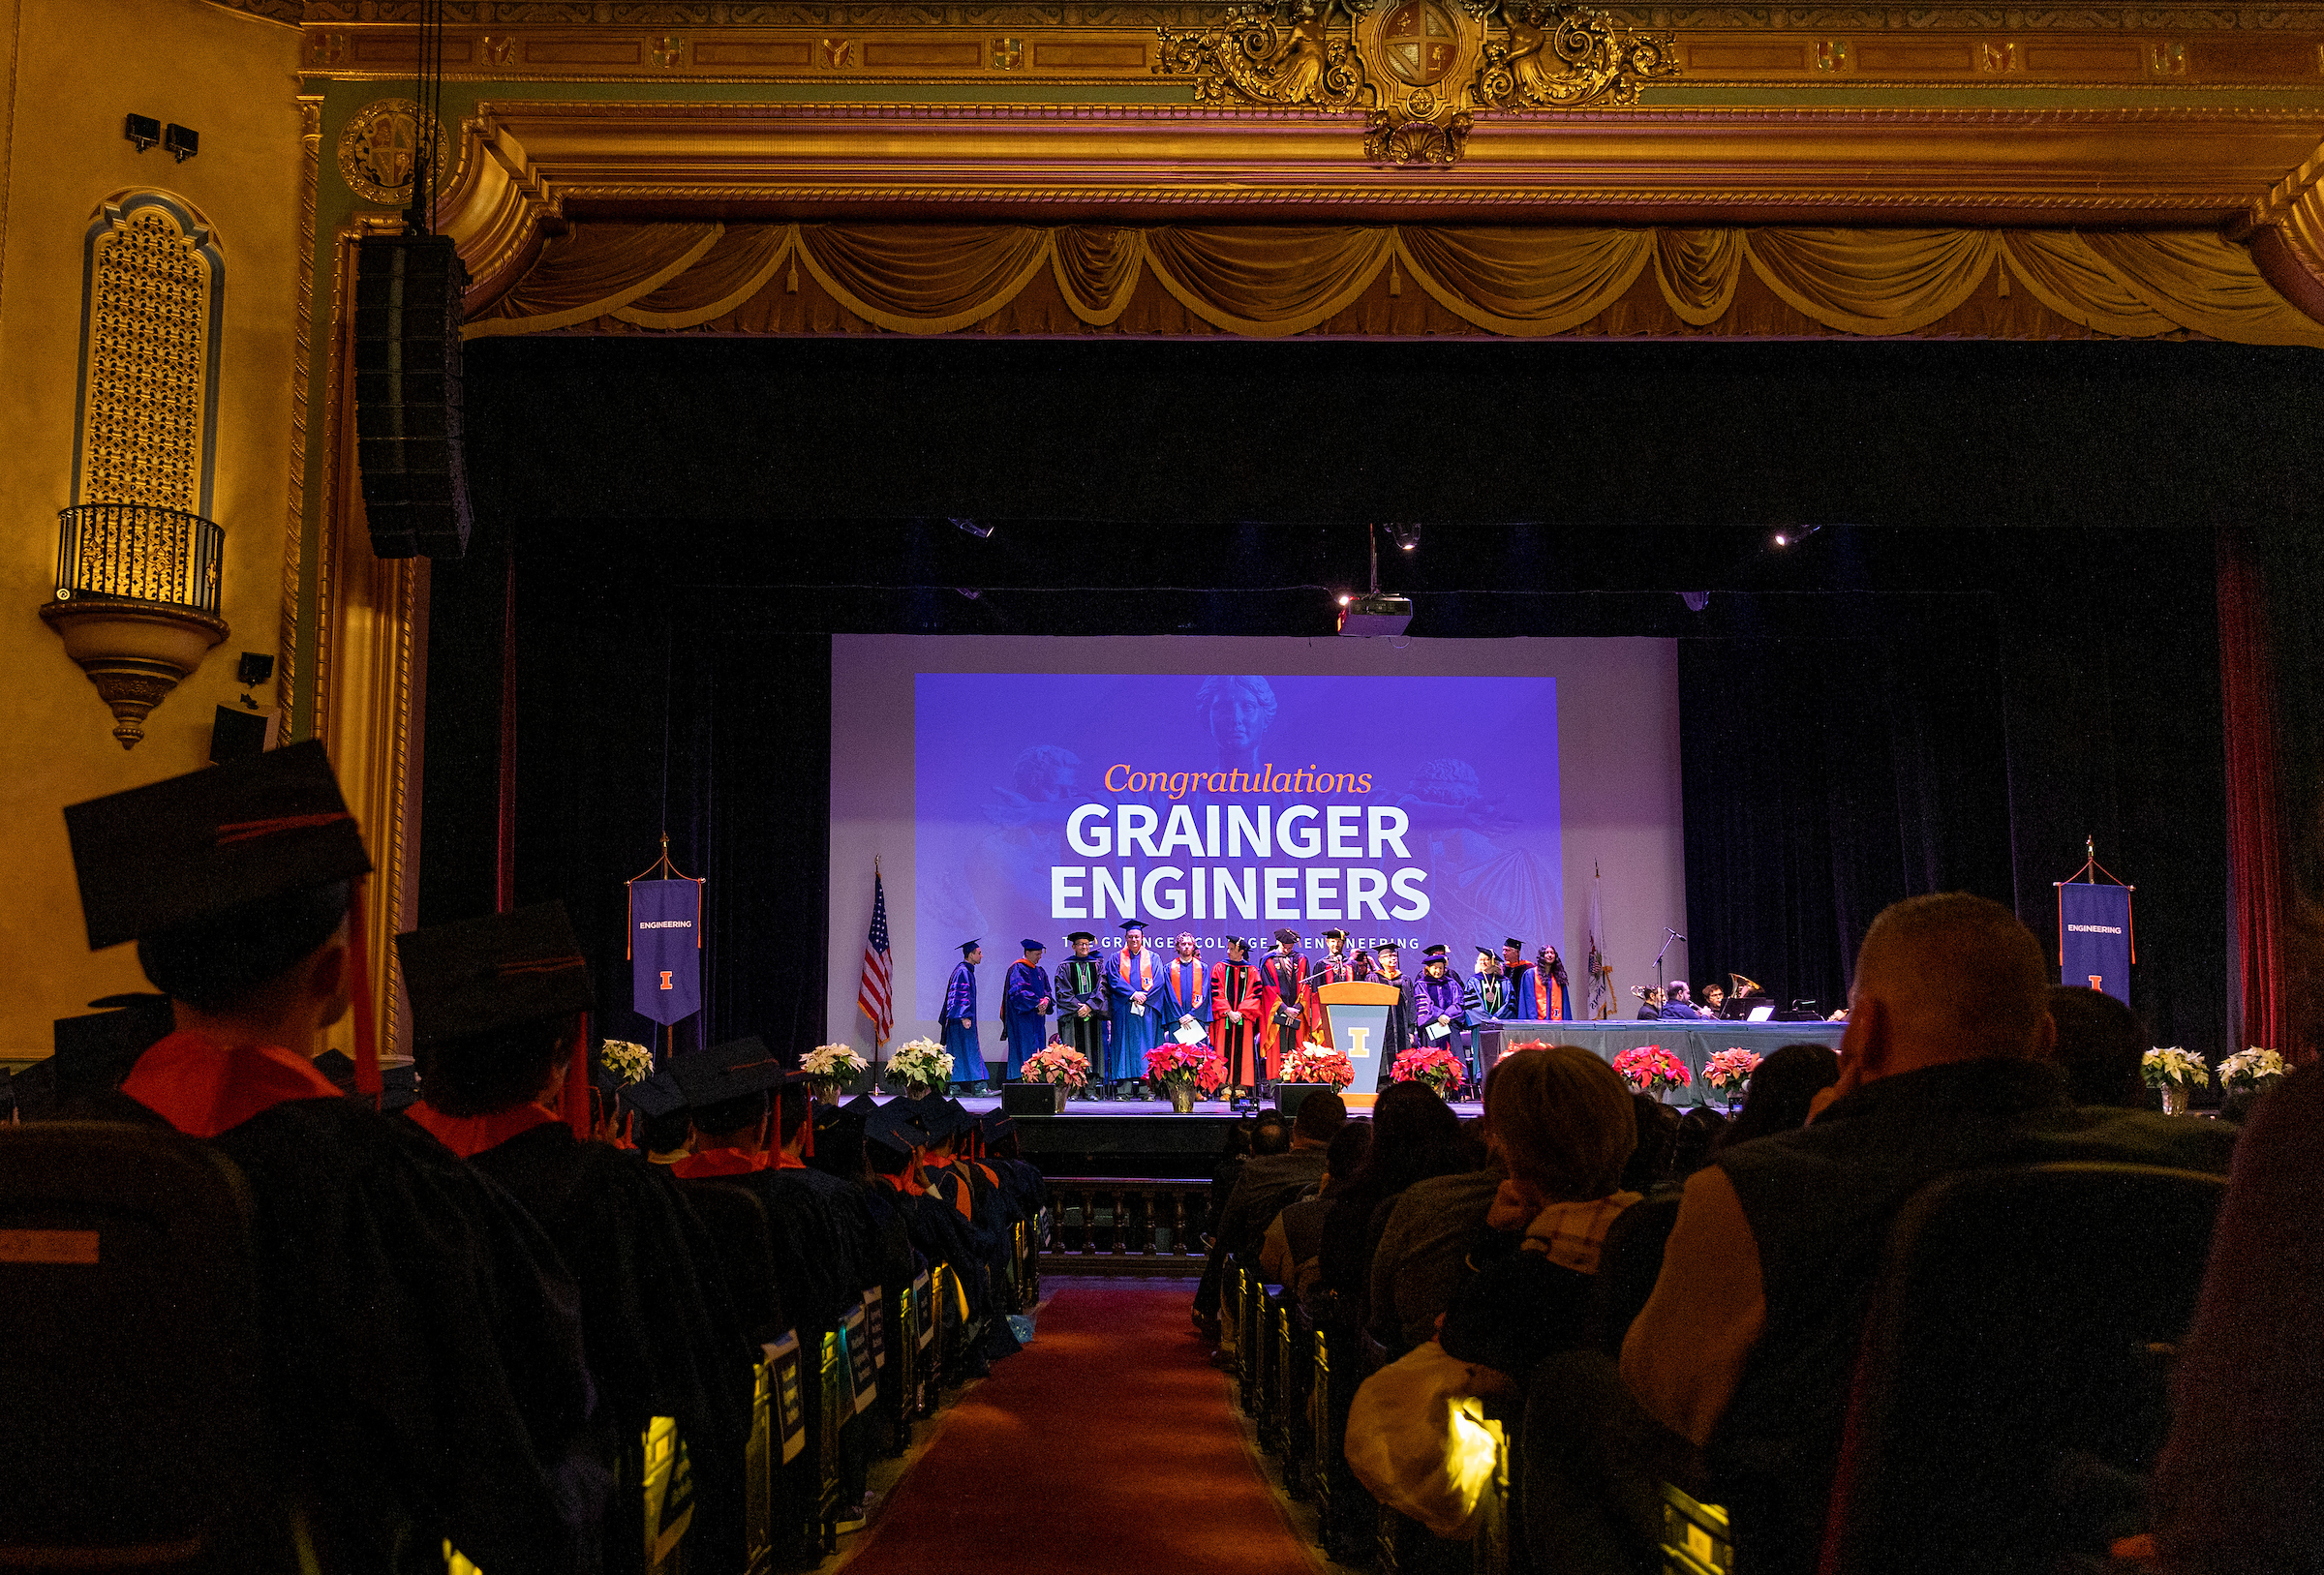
(184,141)
(137,602)
(142,130)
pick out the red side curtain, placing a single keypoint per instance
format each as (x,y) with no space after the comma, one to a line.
(2257,873)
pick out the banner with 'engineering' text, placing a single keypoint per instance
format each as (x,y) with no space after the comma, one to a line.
(2094,937)
(665,948)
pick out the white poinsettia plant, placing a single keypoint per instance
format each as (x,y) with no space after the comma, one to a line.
(920,1061)
(630,1062)
(2250,1067)
(835,1063)
(2169,1064)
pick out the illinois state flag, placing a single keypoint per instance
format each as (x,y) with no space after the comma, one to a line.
(665,948)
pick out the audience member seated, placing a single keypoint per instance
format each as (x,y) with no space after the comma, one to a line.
(2240,1486)
(1424,1245)
(496,1021)
(2100,1044)
(1785,1081)
(1415,1135)
(423,1344)
(1291,1254)
(1270,1183)
(1698,1133)
(1747,1344)
(1267,1134)
(1565,1125)
(1653,1162)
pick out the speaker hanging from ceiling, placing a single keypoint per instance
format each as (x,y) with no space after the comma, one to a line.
(408,290)
(410,296)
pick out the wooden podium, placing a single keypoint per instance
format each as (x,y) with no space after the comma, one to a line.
(1356,1017)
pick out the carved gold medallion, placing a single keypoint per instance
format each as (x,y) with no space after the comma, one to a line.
(379,148)
(1416,68)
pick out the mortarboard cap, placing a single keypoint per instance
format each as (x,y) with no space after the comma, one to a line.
(968,946)
(891,1126)
(1386,946)
(481,975)
(1511,939)
(1081,935)
(734,1070)
(96,1051)
(1128,924)
(1336,934)
(1032,946)
(996,1125)
(654,1097)
(1432,950)
(200,847)
(1289,937)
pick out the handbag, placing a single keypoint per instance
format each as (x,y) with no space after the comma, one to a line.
(1417,1438)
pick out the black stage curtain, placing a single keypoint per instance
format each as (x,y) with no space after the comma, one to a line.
(1968,742)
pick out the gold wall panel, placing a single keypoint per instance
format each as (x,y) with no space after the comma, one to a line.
(146,360)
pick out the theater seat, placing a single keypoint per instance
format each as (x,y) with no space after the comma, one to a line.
(135,1439)
(2017,1348)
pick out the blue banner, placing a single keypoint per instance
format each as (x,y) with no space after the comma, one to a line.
(2094,937)
(665,948)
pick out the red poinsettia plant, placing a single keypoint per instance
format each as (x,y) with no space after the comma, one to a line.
(1440,1069)
(1728,1072)
(1196,1063)
(1318,1063)
(1650,1069)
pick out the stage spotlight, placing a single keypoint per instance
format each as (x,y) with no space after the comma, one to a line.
(1781,541)
(1406,536)
(979,532)
(1344,600)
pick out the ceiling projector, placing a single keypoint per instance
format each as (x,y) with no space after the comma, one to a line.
(1374,614)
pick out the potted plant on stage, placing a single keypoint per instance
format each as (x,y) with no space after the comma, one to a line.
(920,1064)
(1649,1068)
(1311,1069)
(1440,1069)
(2173,1071)
(834,1069)
(2254,1069)
(1728,1073)
(1052,1075)
(1185,1071)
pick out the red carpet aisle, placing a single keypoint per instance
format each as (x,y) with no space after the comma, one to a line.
(1104,1446)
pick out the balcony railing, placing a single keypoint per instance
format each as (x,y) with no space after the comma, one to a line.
(1145,1225)
(138,551)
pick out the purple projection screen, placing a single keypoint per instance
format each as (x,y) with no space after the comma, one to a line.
(1232,803)
(1452,790)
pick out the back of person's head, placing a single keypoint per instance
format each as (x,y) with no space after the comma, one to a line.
(731,1118)
(1698,1133)
(1563,1120)
(1948,977)
(2099,1045)
(664,1133)
(1415,1134)
(839,1150)
(220,964)
(1345,1157)
(1675,990)
(790,1111)
(1271,1136)
(886,1159)
(1238,1139)
(1007,1146)
(1319,1115)
(1782,1087)
(496,1071)
(1651,1161)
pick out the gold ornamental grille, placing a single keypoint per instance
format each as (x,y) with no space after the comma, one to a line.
(141,553)
(147,361)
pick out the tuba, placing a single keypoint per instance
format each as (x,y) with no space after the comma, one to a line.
(1746,985)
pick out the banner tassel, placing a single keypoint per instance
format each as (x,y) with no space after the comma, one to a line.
(358,967)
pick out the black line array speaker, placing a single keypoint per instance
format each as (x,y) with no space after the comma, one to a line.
(408,428)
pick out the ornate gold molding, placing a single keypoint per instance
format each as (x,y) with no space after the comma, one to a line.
(370,642)
(527,164)
(2161,49)
(1416,68)
(2286,232)
(302,357)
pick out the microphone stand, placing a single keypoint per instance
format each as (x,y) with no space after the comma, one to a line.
(1657,961)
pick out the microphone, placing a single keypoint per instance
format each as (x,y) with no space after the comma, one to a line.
(1674,934)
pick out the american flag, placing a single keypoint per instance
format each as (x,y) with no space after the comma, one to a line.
(873,994)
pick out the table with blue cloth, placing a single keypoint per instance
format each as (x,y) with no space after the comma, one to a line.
(1692,1042)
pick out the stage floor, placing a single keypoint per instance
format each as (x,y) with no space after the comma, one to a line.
(1216,1110)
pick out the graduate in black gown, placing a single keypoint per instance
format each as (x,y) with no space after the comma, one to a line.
(423,1342)
(496,1008)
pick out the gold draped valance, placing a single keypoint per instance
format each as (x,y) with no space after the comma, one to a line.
(1268,281)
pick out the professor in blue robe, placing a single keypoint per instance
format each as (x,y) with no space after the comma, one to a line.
(958,1019)
(1134,989)
(1186,990)
(1024,1003)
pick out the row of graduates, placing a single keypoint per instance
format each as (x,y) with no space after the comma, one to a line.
(471,1309)
(1254,1015)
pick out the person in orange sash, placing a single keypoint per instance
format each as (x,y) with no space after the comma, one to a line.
(1237,1009)
(423,1367)
(1283,999)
